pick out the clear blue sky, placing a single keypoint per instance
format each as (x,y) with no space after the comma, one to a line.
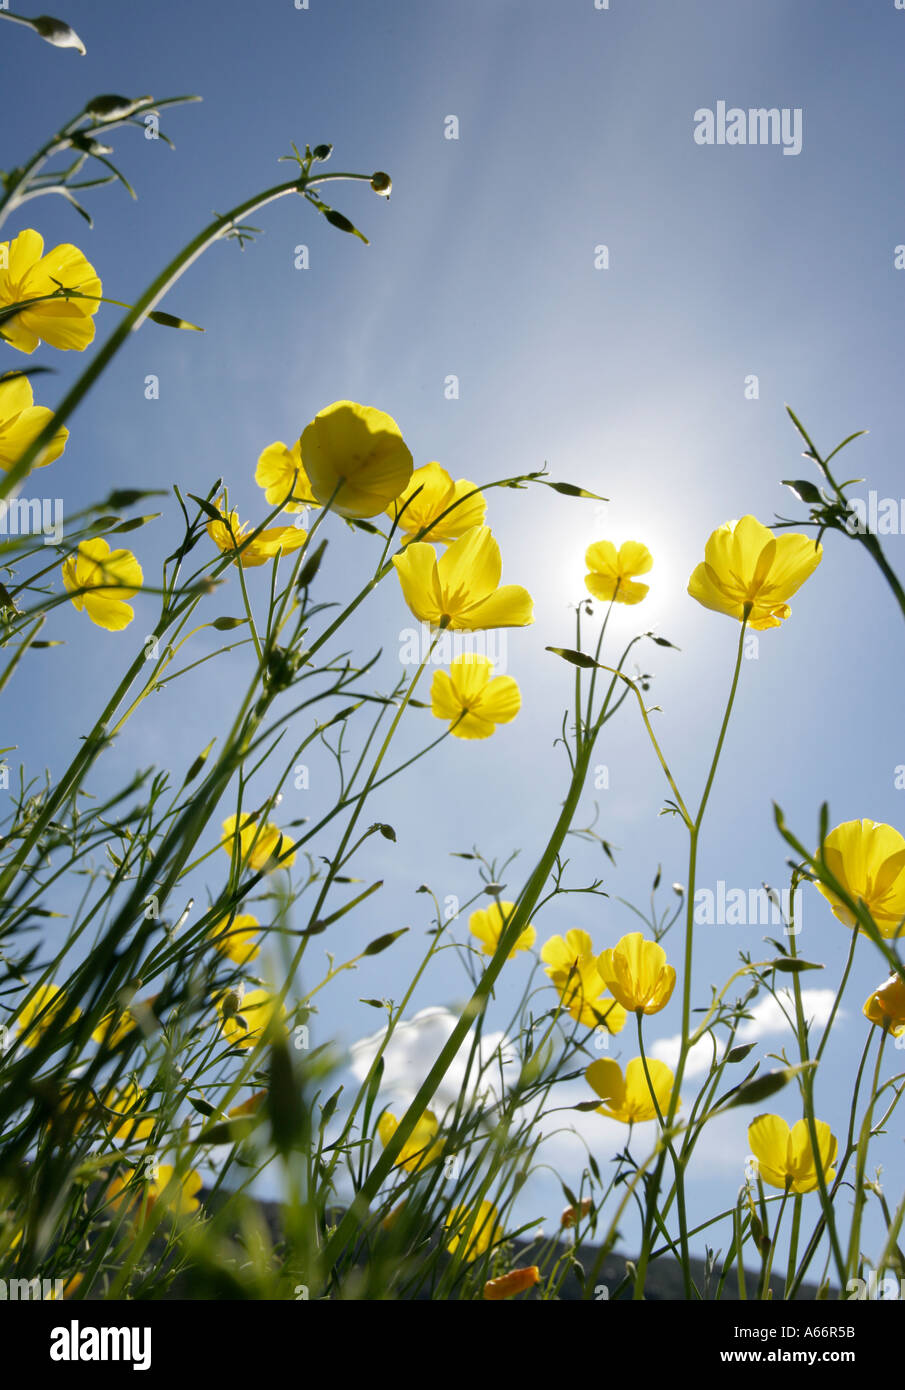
(576,130)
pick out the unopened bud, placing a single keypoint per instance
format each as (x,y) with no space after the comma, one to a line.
(55,31)
(382,184)
(112,107)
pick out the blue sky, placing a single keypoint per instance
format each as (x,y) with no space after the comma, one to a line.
(575,131)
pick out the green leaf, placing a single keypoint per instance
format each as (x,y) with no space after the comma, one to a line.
(198,764)
(342,224)
(284,1099)
(570,490)
(172,321)
(229,1131)
(763,1086)
(328,1108)
(134,524)
(382,943)
(202,1106)
(311,566)
(803,490)
(207,507)
(576,658)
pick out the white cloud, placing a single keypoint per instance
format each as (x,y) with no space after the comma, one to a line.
(412,1051)
(767,1020)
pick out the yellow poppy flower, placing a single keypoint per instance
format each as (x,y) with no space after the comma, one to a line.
(745,564)
(42,1013)
(361,451)
(100,580)
(784,1156)
(571,964)
(636,973)
(886,1006)
(247,1107)
(113,1027)
(246,1015)
(463,586)
(488,923)
(508,1285)
(229,534)
(177,1193)
(868,859)
(236,939)
(612,573)
(628,1097)
(21,421)
(422,1145)
(29,274)
(472,699)
(281,473)
(259,843)
(485,1232)
(429,494)
(127,1101)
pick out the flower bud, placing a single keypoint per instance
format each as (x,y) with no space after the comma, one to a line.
(57,32)
(382,184)
(112,107)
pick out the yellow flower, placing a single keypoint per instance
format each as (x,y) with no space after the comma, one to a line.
(42,1013)
(508,1285)
(571,964)
(113,1027)
(359,450)
(126,1102)
(886,1006)
(463,586)
(636,973)
(247,1107)
(281,473)
(177,1192)
(744,563)
(62,323)
(246,1015)
(628,1098)
(69,1288)
(436,492)
(422,1145)
(236,939)
(784,1156)
(487,924)
(572,1215)
(485,1232)
(100,580)
(471,699)
(21,421)
(612,572)
(259,843)
(868,859)
(229,534)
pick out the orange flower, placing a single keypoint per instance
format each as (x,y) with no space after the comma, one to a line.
(571,1215)
(508,1285)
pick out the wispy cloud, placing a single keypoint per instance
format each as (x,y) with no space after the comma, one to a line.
(769,1018)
